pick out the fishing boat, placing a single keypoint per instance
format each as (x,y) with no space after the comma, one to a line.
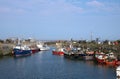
(59,51)
(111,59)
(21,50)
(118,62)
(118,72)
(74,54)
(89,55)
(34,49)
(100,57)
(111,62)
(42,46)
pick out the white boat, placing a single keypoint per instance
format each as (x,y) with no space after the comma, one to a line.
(118,72)
(42,46)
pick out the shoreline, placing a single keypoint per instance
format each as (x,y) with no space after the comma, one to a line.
(6,48)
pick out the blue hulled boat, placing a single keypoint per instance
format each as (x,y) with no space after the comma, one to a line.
(20,50)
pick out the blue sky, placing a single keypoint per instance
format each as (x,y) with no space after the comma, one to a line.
(60,19)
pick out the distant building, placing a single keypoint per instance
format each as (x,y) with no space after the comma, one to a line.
(109,42)
(11,40)
(31,40)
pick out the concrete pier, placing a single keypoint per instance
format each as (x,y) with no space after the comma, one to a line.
(6,49)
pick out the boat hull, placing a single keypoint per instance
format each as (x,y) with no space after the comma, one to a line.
(89,57)
(19,52)
(35,50)
(101,61)
(44,48)
(111,63)
(58,53)
(118,63)
(74,56)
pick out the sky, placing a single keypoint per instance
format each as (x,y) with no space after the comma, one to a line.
(60,19)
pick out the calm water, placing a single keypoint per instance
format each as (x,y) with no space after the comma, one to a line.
(44,65)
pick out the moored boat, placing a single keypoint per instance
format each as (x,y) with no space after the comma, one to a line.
(111,62)
(100,57)
(58,52)
(34,49)
(20,50)
(111,59)
(118,72)
(118,62)
(89,55)
(74,54)
(42,46)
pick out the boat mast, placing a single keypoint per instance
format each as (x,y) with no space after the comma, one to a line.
(91,36)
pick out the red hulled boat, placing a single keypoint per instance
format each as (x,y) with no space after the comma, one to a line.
(100,57)
(58,53)
(111,62)
(111,59)
(34,48)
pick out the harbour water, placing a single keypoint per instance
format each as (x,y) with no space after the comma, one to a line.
(44,65)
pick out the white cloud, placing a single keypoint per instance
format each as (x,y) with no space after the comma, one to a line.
(102,7)
(51,7)
(60,7)
(95,3)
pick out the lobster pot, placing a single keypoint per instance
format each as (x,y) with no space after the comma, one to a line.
(118,72)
